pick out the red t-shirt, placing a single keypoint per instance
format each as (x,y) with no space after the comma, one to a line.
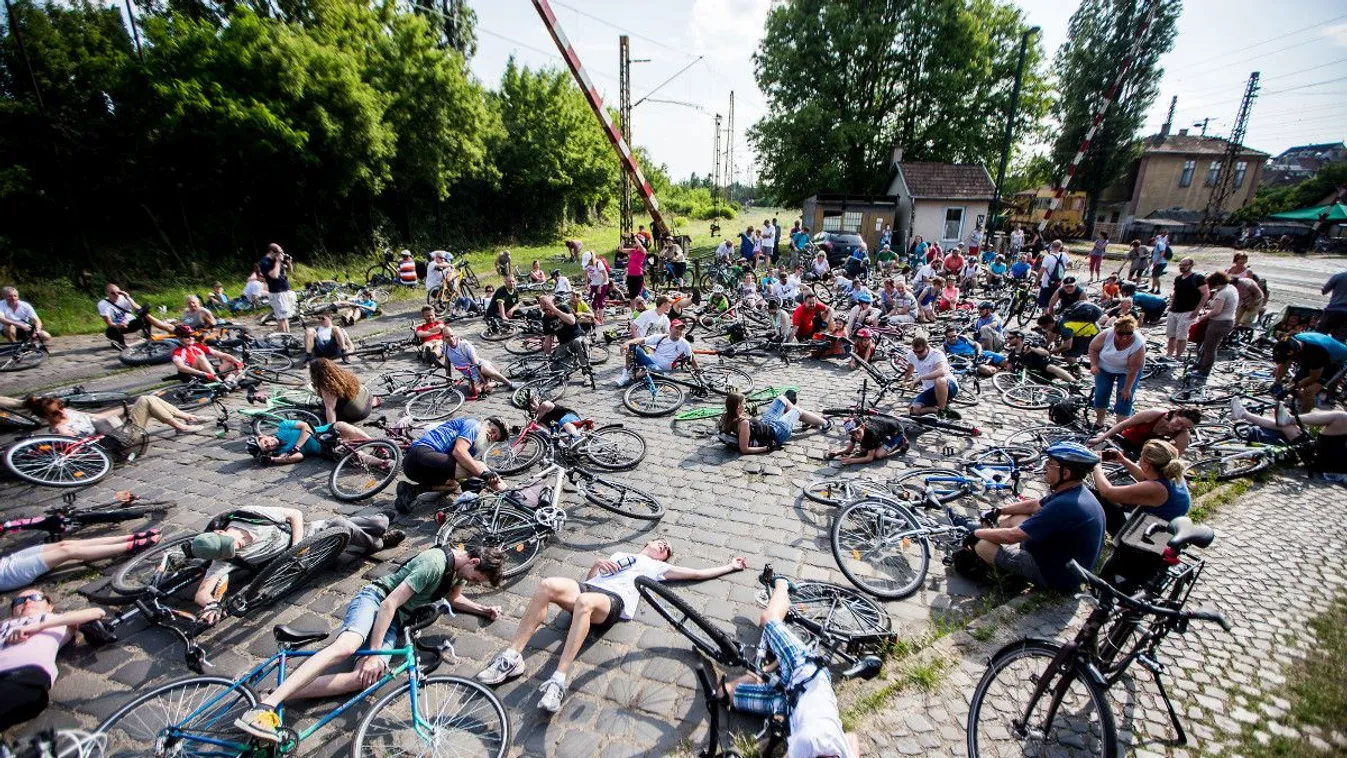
(189,353)
(954,264)
(429,332)
(805,320)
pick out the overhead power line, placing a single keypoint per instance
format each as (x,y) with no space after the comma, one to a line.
(1244,49)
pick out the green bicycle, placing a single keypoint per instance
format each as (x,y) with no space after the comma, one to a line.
(423,715)
(702,422)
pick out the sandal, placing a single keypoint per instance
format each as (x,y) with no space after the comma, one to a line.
(142,540)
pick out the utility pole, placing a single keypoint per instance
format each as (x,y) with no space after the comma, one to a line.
(715,168)
(1202,125)
(1010,130)
(1225,180)
(135,30)
(729,171)
(625,229)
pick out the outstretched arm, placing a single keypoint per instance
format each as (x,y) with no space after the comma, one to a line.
(677,573)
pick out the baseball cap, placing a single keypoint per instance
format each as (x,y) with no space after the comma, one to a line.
(406,253)
(213,547)
(677,322)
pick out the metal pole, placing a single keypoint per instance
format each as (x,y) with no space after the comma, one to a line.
(1010,130)
(135,31)
(23,51)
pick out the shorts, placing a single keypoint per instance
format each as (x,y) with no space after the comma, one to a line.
(26,695)
(1014,559)
(769,698)
(569,418)
(1176,326)
(18,570)
(1158,269)
(926,398)
(616,606)
(360,615)
(1045,296)
(1264,436)
(781,421)
(1246,314)
(425,465)
(995,359)
(283,304)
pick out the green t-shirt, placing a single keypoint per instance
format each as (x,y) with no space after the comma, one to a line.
(887,255)
(423,574)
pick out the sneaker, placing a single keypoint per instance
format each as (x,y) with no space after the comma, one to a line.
(623,380)
(507,664)
(1237,412)
(950,414)
(406,496)
(827,426)
(392,538)
(262,723)
(1284,416)
(553,691)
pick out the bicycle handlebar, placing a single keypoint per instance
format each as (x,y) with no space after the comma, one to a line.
(1142,606)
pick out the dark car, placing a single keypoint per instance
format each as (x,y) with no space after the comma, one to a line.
(838,245)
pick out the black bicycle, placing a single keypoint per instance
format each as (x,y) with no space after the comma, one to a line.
(64,519)
(1042,697)
(23,354)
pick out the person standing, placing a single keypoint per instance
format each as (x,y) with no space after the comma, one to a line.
(438,269)
(596,273)
(635,271)
(1160,257)
(1117,356)
(1051,272)
(1097,257)
(1219,318)
(276,266)
(769,240)
(746,246)
(1333,322)
(1016,241)
(1190,294)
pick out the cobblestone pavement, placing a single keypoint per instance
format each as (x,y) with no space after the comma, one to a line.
(633,691)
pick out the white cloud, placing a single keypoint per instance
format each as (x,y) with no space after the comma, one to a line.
(1337,33)
(727,30)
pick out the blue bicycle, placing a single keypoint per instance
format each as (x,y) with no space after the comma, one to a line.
(423,715)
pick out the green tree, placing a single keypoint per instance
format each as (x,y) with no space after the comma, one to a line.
(931,76)
(1099,39)
(1270,200)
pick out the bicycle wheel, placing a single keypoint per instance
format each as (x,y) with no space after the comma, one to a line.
(14,421)
(365,470)
(613,448)
(1001,724)
(707,637)
(881,548)
(188,396)
(192,717)
(622,499)
(839,491)
(970,392)
(1223,468)
(547,387)
(435,404)
(494,524)
(526,344)
(597,351)
(835,610)
(283,378)
(695,426)
(291,569)
(300,398)
(271,360)
(727,379)
(1006,380)
(499,331)
(58,461)
(1113,640)
(947,484)
(528,367)
(1202,396)
(454,717)
(267,423)
(512,456)
(95,399)
(1033,396)
(23,357)
(1039,438)
(148,353)
(115,513)
(653,397)
(139,574)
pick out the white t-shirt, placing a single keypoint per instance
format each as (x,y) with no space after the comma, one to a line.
(597,271)
(651,322)
(254,289)
(623,582)
(563,286)
(935,359)
(1224,303)
(1054,268)
(120,312)
(24,313)
(668,349)
(815,726)
(923,275)
(435,274)
(768,236)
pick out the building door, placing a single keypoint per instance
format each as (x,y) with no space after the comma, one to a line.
(953,231)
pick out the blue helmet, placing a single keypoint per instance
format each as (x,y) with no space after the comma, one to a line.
(864,297)
(1072,454)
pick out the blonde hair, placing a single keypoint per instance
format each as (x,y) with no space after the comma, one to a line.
(1128,323)
(1163,457)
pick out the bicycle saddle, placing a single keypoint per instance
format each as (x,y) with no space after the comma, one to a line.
(287,635)
(1187,533)
(473,484)
(867,667)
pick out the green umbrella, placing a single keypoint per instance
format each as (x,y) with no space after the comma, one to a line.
(1337,212)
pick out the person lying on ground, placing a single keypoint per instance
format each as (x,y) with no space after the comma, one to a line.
(876,438)
(548,414)
(773,430)
(30,639)
(374,620)
(296,440)
(73,423)
(1018,354)
(607,596)
(1330,444)
(1174,425)
(23,567)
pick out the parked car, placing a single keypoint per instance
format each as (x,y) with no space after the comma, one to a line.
(838,245)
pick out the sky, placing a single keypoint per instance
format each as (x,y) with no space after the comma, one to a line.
(1298,46)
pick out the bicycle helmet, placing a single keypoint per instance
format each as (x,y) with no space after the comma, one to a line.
(864,297)
(773,303)
(524,399)
(717,290)
(182,331)
(1073,456)
(254,447)
(987,304)
(863,333)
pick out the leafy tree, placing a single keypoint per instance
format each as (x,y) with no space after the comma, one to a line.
(1099,39)
(1270,200)
(931,76)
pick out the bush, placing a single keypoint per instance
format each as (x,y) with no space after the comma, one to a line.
(711,211)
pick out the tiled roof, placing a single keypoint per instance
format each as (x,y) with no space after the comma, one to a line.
(1189,144)
(948,180)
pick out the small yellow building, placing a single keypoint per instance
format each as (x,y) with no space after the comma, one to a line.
(1028,208)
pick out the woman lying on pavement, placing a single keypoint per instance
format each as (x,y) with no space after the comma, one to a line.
(773,430)
(1174,425)
(73,423)
(1330,445)
(29,641)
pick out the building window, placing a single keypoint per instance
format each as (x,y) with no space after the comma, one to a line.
(1240,169)
(1185,180)
(953,224)
(832,222)
(851,221)
(1213,171)
(1042,203)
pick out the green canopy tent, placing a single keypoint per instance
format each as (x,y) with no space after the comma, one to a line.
(1337,214)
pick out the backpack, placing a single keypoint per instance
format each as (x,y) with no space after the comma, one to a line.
(1169,253)
(1064,412)
(1058,270)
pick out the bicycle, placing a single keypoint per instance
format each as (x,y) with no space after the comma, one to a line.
(912,425)
(835,622)
(283,405)
(1067,708)
(550,381)
(425,713)
(68,518)
(428,393)
(384,273)
(704,421)
(1225,459)
(23,354)
(520,521)
(611,447)
(1022,303)
(56,460)
(50,743)
(659,393)
(363,467)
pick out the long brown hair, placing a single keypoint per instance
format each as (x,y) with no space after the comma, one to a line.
(734,407)
(329,378)
(49,409)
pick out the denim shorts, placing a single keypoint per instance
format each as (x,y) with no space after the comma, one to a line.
(795,666)
(360,615)
(780,420)
(926,398)
(569,418)
(18,570)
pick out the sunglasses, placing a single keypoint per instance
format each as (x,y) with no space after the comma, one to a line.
(35,597)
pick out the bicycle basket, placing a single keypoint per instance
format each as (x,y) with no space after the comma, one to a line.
(1137,559)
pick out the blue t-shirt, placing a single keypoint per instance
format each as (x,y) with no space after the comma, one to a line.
(1337,352)
(1069,525)
(288,433)
(998,269)
(961,346)
(1179,500)
(1020,269)
(441,439)
(746,246)
(994,321)
(859,255)
(800,239)
(1148,302)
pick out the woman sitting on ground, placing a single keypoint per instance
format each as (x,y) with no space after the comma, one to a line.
(1160,486)
(773,430)
(73,423)
(344,398)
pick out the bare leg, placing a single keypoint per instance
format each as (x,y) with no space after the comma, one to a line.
(309,336)
(589,607)
(777,605)
(489,371)
(554,590)
(342,339)
(941,387)
(1290,432)
(296,684)
(82,551)
(811,418)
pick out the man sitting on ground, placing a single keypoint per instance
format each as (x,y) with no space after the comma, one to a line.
(253,536)
(665,351)
(326,341)
(124,316)
(19,319)
(504,302)
(459,353)
(929,366)
(1069,336)
(430,334)
(193,359)
(810,317)
(607,596)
